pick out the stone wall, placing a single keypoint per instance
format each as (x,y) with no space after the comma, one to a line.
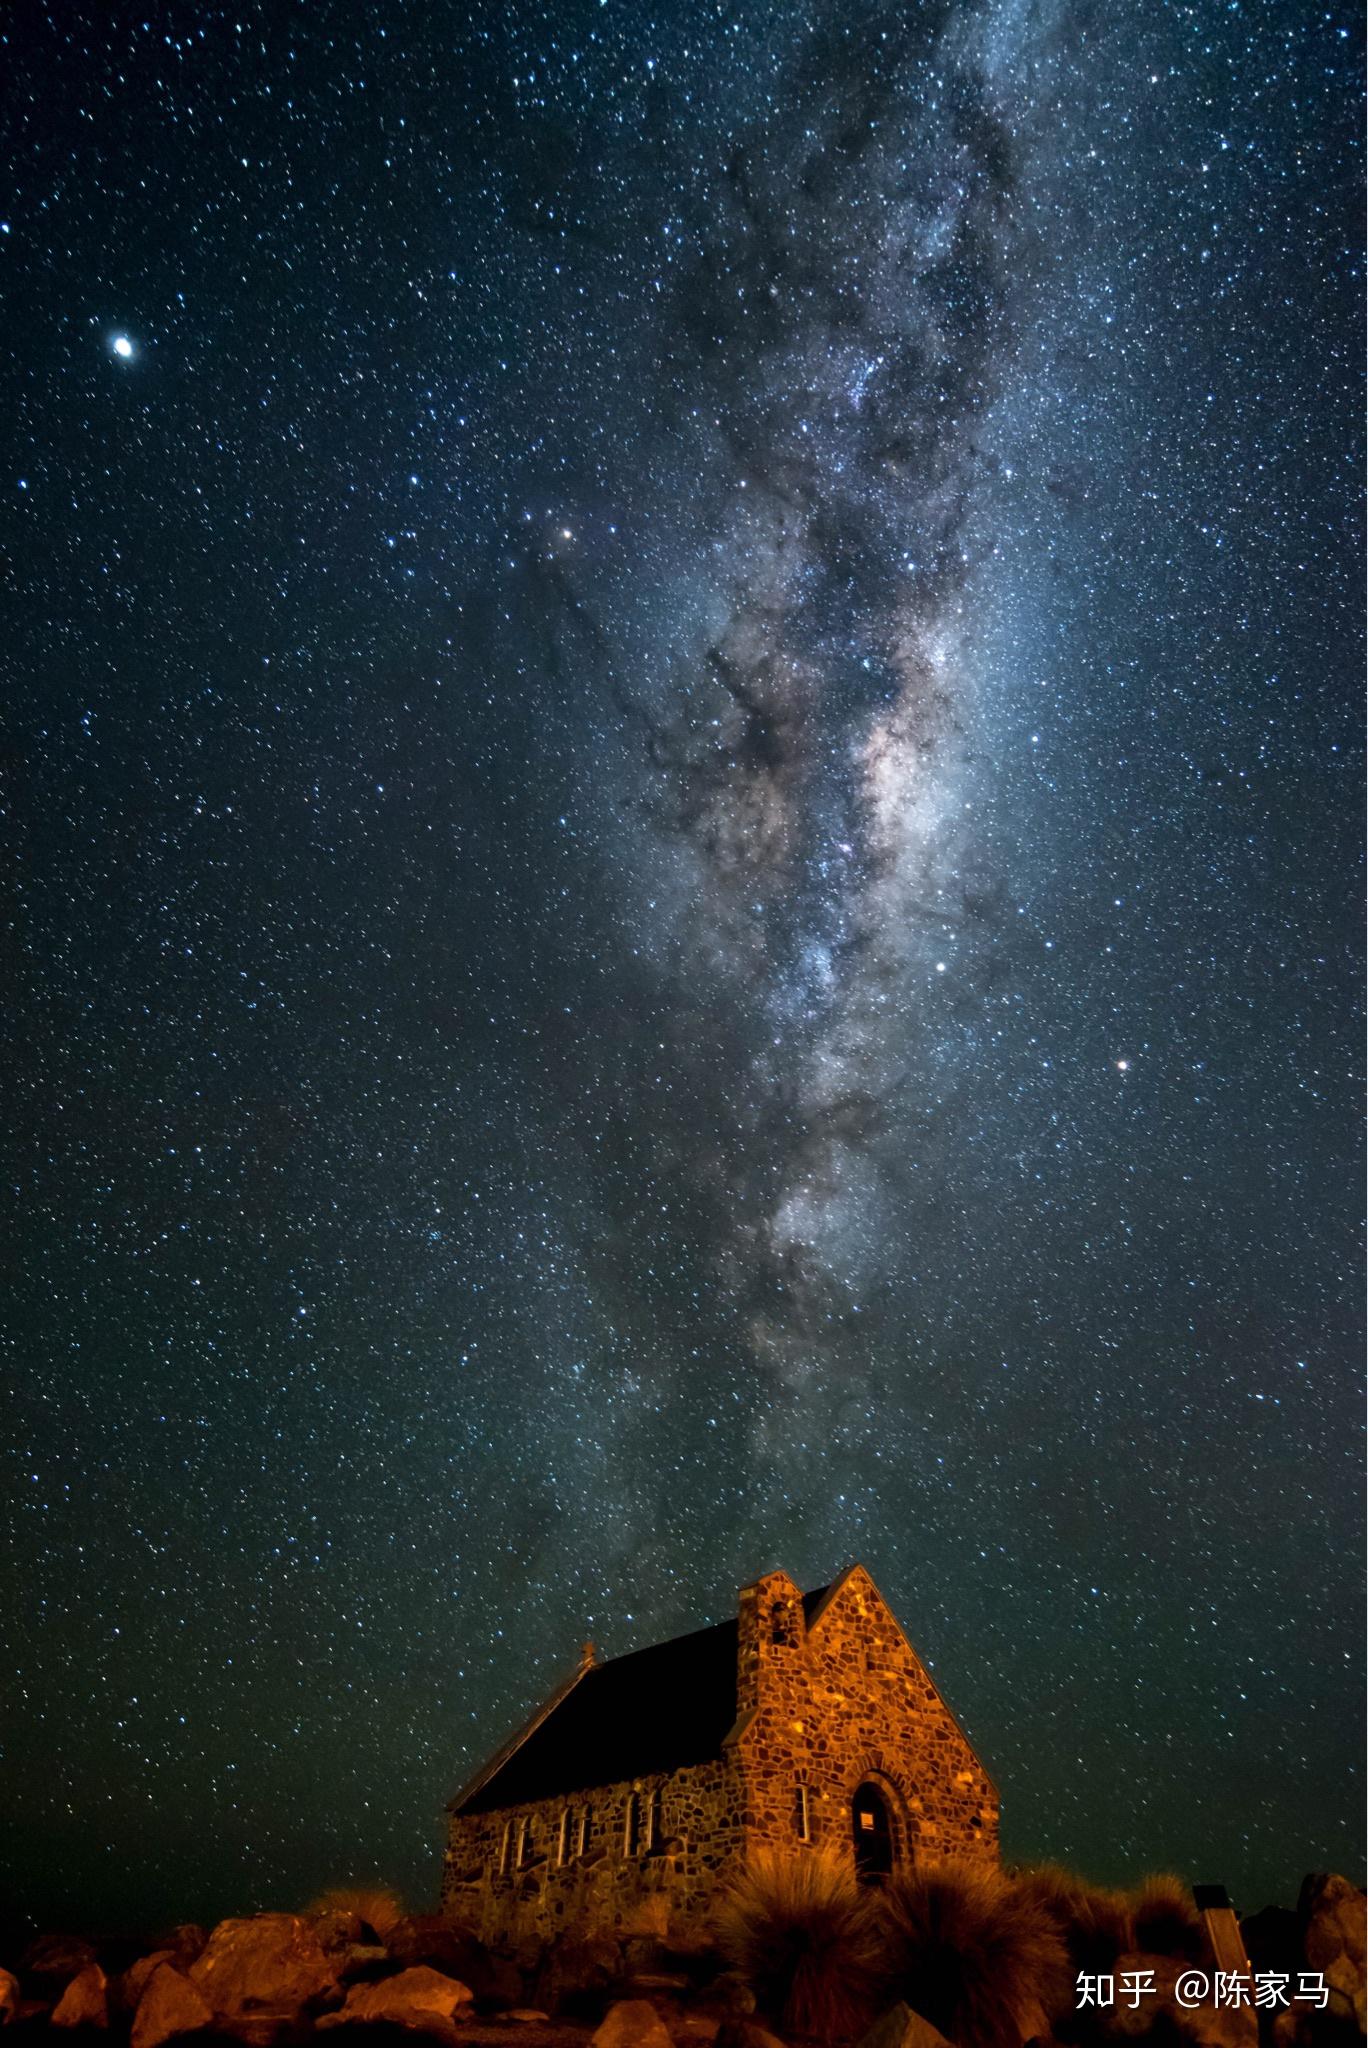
(579,1872)
(827,1707)
(845,1702)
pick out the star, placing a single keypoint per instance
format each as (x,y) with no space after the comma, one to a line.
(122,347)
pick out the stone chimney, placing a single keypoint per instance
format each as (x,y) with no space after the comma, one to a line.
(770,1628)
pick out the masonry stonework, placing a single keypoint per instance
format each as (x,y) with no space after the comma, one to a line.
(837,1726)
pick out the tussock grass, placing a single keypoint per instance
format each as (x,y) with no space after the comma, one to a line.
(1094,1923)
(380,1908)
(803,1935)
(1164,1918)
(980,1957)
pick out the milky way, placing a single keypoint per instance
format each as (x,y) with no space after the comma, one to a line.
(682,771)
(831,353)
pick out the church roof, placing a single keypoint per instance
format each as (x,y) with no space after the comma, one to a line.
(653,1710)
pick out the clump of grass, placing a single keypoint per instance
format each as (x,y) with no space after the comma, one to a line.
(1094,1923)
(976,1955)
(380,1908)
(1164,1918)
(801,1933)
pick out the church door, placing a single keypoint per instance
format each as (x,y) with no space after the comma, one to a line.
(873,1835)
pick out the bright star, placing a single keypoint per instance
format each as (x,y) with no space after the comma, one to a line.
(122,346)
(1123,1066)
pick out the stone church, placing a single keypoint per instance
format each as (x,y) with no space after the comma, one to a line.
(807,1722)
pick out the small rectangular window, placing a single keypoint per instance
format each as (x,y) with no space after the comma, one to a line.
(631,1826)
(505,1848)
(524,1842)
(586,1829)
(563,1839)
(803,1815)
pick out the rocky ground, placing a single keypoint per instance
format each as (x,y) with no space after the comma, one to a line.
(278,1980)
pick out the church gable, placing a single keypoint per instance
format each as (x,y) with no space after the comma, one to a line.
(808,1721)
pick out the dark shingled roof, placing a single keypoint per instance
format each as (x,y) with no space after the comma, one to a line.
(655,1710)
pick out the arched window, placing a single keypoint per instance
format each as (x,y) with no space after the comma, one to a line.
(563,1839)
(505,1848)
(585,1831)
(872,1827)
(650,1838)
(631,1829)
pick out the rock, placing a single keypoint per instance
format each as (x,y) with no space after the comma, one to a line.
(1331,1911)
(84,2002)
(743,2033)
(54,1959)
(186,1942)
(1272,1939)
(338,1931)
(526,2016)
(128,1989)
(632,2023)
(363,1960)
(1157,2013)
(421,1999)
(171,2004)
(900,2027)
(9,1997)
(694,2029)
(576,1974)
(428,1938)
(272,1963)
(730,1996)
(265,2029)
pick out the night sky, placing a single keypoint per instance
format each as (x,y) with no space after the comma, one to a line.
(682,832)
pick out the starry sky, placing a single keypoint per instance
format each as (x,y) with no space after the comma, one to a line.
(681,836)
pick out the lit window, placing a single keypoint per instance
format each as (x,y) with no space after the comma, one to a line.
(803,1815)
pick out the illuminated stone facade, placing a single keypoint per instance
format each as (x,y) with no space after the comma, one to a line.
(831,1735)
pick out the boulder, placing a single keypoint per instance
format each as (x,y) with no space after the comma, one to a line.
(900,2027)
(429,1939)
(54,1959)
(186,1942)
(1272,1939)
(632,2023)
(421,1999)
(575,1975)
(1331,1911)
(745,2033)
(84,2003)
(9,1997)
(694,2029)
(730,1996)
(270,1964)
(128,1989)
(339,1930)
(170,2004)
(362,1961)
